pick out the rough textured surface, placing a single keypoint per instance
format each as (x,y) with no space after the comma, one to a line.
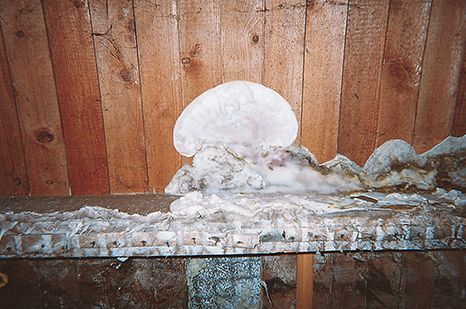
(395,165)
(240,224)
(279,281)
(94,283)
(224,282)
(416,279)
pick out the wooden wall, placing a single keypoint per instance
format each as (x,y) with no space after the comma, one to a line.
(90,89)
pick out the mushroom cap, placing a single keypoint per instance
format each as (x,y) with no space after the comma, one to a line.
(237,112)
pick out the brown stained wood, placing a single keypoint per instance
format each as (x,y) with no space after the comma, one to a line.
(440,73)
(304,280)
(200,46)
(401,70)
(28,55)
(322,281)
(73,57)
(284,50)
(157,36)
(349,284)
(88,283)
(449,279)
(323,62)
(242,26)
(417,280)
(117,64)
(279,274)
(365,38)
(459,122)
(13,177)
(383,279)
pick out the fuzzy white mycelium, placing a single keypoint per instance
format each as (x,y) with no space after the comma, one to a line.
(241,133)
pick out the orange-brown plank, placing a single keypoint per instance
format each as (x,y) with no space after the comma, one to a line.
(323,63)
(401,70)
(74,63)
(200,46)
(304,280)
(13,177)
(28,55)
(117,65)
(284,50)
(365,38)
(440,73)
(242,26)
(157,38)
(459,122)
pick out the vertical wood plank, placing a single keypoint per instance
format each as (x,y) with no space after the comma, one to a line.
(304,280)
(117,64)
(401,70)
(158,49)
(417,280)
(242,26)
(284,50)
(440,73)
(365,38)
(323,66)
(459,121)
(323,280)
(200,46)
(349,283)
(13,177)
(28,55)
(74,63)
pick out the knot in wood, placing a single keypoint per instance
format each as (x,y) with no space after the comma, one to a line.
(186,60)
(44,136)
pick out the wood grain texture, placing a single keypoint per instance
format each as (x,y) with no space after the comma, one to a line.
(283,50)
(157,36)
(459,122)
(242,27)
(323,63)
(117,64)
(349,282)
(365,38)
(440,73)
(401,70)
(200,46)
(74,63)
(304,280)
(13,177)
(417,280)
(28,55)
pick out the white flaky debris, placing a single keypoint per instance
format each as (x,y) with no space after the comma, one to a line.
(267,170)
(235,113)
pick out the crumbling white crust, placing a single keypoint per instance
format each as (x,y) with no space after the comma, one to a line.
(245,169)
(206,224)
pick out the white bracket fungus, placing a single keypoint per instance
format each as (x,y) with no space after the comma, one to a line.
(235,113)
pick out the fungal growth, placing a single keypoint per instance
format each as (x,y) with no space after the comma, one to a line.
(241,136)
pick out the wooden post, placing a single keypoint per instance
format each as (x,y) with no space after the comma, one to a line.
(304,281)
